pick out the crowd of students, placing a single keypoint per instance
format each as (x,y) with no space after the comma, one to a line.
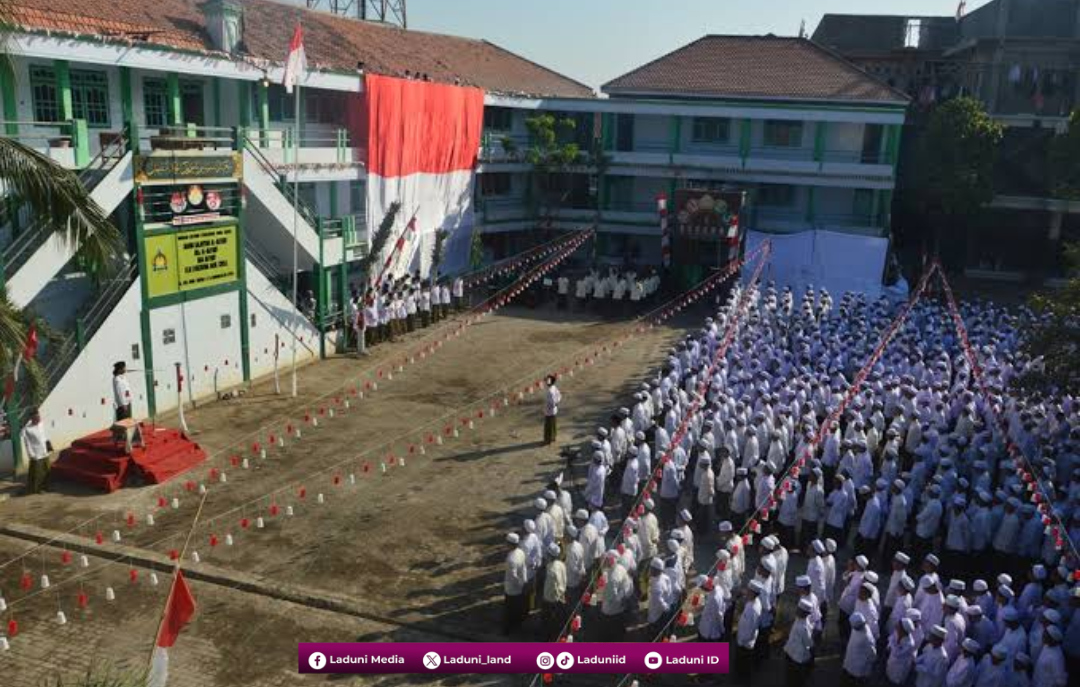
(402,306)
(909,542)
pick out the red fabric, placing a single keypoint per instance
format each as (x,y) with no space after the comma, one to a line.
(421,127)
(179,611)
(30,349)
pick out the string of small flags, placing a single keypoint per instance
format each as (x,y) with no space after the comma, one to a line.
(273,505)
(1037,493)
(340,402)
(685,616)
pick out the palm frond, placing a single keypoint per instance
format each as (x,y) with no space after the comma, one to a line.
(12,331)
(438,251)
(379,239)
(56,193)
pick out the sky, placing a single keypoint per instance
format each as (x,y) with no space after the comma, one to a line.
(595,41)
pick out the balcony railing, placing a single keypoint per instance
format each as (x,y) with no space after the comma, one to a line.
(187,137)
(317,146)
(68,143)
(782,153)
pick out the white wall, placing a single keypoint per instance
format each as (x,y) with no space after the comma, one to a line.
(844,137)
(74,408)
(272,314)
(202,347)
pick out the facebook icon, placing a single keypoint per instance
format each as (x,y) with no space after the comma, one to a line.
(317,661)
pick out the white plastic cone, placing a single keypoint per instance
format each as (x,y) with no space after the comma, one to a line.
(4,644)
(202,489)
(45,584)
(84,562)
(320,498)
(116,535)
(3,604)
(61,619)
(259,523)
(374,386)
(245,464)
(347,406)
(150,519)
(175,503)
(456,433)
(352,479)
(438,440)
(228,540)
(423,451)
(289,511)
(281,442)
(223,479)
(330,412)
(195,557)
(314,422)
(110,595)
(153,579)
(262,453)
(472,425)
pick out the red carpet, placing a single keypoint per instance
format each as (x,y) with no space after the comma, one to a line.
(99,462)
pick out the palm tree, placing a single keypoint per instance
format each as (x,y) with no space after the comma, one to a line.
(48,191)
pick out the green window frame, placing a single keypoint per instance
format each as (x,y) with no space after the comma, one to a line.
(495,184)
(46,97)
(156,102)
(783,133)
(90,97)
(498,119)
(711,130)
(776,196)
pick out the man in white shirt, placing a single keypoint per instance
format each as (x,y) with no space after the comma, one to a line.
(799,648)
(459,294)
(121,392)
(552,399)
(746,638)
(38,448)
(515,603)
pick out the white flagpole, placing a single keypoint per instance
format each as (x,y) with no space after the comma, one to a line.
(296,221)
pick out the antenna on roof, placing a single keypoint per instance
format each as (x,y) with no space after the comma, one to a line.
(802,29)
(386,11)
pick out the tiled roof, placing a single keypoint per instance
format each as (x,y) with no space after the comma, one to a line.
(870,34)
(331,42)
(754,67)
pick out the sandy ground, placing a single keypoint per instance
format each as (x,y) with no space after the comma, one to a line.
(416,552)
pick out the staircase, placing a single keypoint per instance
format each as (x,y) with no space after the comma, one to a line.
(274,219)
(38,254)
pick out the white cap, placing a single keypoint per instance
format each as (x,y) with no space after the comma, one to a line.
(938,631)
(513,538)
(862,562)
(540,504)
(657,564)
(857,620)
(971,646)
(553,549)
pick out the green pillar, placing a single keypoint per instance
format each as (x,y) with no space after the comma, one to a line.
(80,141)
(215,93)
(744,140)
(264,113)
(243,97)
(607,130)
(63,88)
(676,134)
(892,145)
(176,109)
(11,104)
(144,314)
(127,105)
(245,317)
(319,273)
(821,133)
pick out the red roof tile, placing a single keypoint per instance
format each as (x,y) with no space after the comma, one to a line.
(331,42)
(754,67)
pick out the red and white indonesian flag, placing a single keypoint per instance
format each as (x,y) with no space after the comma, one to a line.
(179,610)
(296,63)
(423,140)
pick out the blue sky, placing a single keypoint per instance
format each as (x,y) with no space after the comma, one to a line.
(594,41)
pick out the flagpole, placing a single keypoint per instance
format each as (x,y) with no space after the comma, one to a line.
(296,220)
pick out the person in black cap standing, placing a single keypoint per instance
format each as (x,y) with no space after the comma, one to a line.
(121,391)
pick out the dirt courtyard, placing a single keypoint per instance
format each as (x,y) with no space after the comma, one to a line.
(415,553)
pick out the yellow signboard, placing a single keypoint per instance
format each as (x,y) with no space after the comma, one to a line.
(190,260)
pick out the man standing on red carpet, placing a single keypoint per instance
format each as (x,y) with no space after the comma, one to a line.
(38,447)
(121,391)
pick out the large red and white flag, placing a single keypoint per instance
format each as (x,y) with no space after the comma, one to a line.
(296,63)
(178,612)
(423,140)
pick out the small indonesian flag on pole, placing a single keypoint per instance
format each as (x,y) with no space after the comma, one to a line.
(296,63)
(179,610)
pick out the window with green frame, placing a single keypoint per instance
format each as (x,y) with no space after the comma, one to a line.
(783,133)
(45,94)
(156,102)
(711,129)
(863,203)
(90,97)
(776,196)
